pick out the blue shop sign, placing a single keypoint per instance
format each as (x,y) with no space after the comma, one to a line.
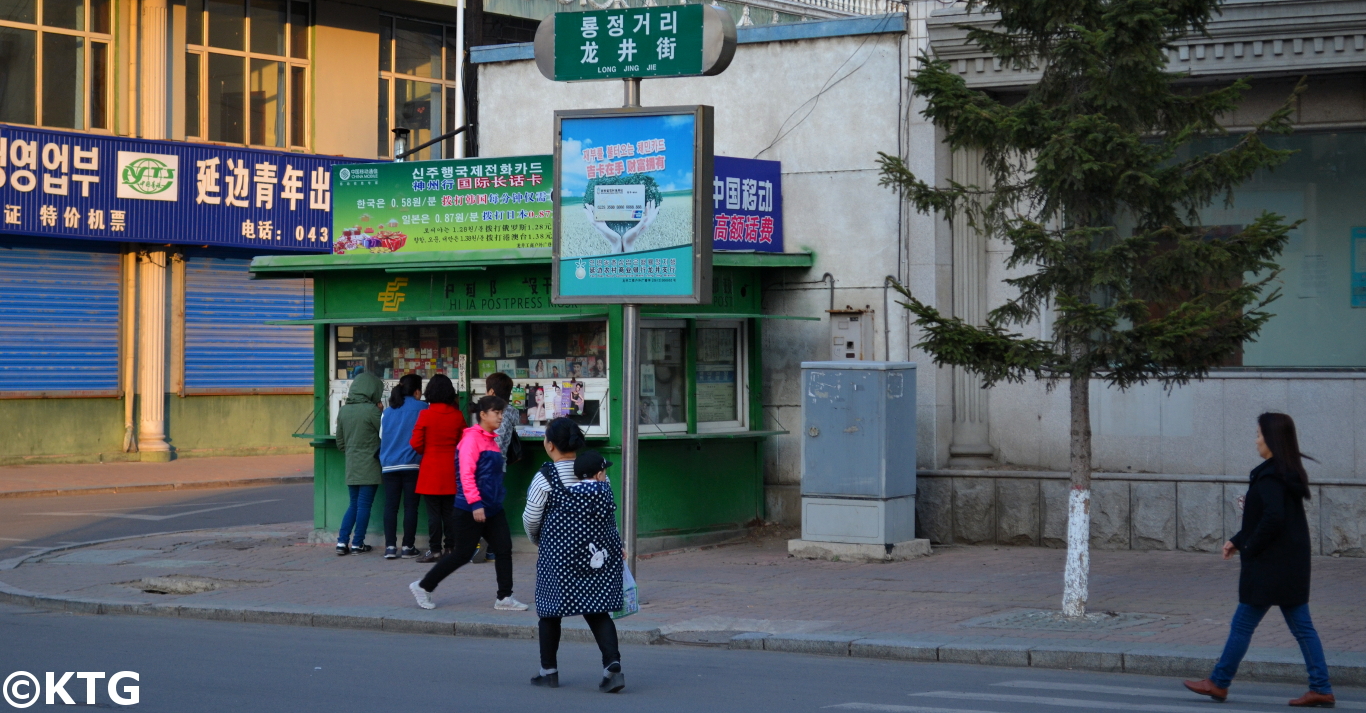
(71,185)
(748,197)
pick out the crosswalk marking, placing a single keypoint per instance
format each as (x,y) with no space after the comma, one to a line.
(885,708)
(1075,703)
(1155,692)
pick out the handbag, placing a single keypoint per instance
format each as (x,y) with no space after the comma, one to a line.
(630,597)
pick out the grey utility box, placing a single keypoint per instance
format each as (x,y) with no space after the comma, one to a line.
(858,452)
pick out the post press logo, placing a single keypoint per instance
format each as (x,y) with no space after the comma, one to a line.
(23,689)
(149,176)
(392,295)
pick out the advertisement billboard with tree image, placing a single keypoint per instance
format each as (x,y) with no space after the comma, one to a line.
(629,225)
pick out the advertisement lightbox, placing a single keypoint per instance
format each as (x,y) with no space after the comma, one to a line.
(633,208)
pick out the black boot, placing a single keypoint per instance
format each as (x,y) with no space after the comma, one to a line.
(550,680)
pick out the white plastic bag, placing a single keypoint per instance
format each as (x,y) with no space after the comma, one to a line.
(630,599)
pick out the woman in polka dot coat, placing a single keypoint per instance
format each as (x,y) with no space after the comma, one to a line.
(571,516)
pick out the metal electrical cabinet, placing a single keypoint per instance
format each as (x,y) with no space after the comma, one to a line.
(858,452)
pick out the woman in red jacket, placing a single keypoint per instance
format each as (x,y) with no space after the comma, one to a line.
(435,436)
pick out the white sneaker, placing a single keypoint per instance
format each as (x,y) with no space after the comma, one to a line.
(509,604)
(424,597)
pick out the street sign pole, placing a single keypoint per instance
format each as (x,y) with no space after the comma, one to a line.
(630,431)
(630,410)
(627,44)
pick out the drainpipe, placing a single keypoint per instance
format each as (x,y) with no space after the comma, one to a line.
(887,283)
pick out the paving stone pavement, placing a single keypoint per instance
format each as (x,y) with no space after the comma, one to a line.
(752,585)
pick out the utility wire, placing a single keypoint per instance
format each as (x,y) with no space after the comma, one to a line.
(830,83)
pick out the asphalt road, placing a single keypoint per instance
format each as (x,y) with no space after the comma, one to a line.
(28,524)
(186,665)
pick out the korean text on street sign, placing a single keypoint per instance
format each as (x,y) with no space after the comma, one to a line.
(662,41)
(69,185)
(747,196)
(458,204)
(632,211)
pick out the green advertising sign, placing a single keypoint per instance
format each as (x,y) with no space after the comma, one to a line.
(663,41)
(459,204)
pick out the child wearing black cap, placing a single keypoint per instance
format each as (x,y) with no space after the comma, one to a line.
(571,516)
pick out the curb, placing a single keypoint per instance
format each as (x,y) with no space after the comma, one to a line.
(1347,669)
(356,618)
(146,487)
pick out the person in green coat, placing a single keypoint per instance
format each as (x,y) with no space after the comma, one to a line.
(358,437)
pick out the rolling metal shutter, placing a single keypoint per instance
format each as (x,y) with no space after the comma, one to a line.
(59,319)
(228,346)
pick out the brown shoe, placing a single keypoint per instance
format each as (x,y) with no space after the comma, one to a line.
(428,557)
(1205,688)
(1313,699)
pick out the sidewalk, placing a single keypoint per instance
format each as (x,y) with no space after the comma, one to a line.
(27,481)
(746,595)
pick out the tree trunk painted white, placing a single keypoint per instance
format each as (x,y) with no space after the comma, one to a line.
(1078,568)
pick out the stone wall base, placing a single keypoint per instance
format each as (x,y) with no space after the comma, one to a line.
(1128,511)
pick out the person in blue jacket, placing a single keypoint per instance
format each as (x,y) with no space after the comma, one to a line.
(399,464)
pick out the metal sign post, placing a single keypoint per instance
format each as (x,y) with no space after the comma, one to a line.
(633,219)
(630,407)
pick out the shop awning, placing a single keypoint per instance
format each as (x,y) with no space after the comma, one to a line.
(574,317)
(273,266)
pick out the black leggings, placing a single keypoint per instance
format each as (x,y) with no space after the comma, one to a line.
(400,484)
(468,531)
(604,632)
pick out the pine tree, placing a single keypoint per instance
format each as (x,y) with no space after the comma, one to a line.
(1096,188)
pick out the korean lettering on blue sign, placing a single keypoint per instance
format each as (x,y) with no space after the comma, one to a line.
(71,185)
(747,196)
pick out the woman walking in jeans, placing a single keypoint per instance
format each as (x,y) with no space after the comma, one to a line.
(1274,548)
(571,516)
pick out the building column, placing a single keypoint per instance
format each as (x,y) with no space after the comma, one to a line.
(154,104)
(152,352)
(971,445)
(156,70)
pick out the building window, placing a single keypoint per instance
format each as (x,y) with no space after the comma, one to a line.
(54,63)
(246,72)
(418,69)
(1320,318)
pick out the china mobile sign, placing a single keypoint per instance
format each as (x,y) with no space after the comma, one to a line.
(747,195)
(70,185)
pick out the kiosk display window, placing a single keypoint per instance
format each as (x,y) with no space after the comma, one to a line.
(719,358)
(390,352)
(663,377)
(557,369)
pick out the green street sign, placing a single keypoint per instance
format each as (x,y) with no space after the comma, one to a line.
(662,41)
